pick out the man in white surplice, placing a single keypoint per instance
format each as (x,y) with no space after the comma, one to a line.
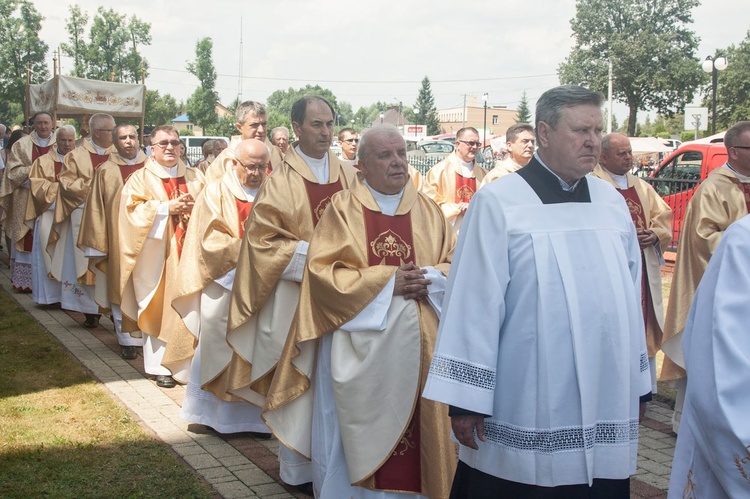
(541,352)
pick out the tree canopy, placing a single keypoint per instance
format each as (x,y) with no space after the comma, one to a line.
(651,48)
(280,105)
(20,24)
(201,106)
(524,113)
(427,114)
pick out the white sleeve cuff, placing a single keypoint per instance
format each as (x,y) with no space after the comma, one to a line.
(89,252)
(296,267)
(160,222)
(374,317)
(227,280)
(436,290)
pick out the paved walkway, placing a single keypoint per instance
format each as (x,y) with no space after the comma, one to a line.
(238,465)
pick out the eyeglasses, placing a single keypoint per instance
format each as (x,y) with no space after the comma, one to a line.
(351,141)
(251,169)
(164,143)
(470,143)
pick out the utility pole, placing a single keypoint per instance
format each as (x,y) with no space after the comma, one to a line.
(609,96)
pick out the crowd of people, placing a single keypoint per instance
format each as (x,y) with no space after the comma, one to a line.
(372,318)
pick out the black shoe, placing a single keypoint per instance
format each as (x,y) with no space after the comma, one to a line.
(163,381)
(129,353)
(306,488)
(260,436)
(92,320)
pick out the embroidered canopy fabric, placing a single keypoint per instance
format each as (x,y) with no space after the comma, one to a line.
(70,96)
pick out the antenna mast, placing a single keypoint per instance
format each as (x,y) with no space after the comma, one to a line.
(239,80)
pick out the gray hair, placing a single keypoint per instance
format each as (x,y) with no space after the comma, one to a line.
(116,130)
(249,107)
(299,108)
(280,129)
(207,147)
(550,105)
(607,141)
(65,128)
(732,137)
(377,132)
(467,129)
(97,118)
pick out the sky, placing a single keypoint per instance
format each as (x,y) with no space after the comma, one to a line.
(372,51)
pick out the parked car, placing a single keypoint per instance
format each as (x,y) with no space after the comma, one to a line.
(680,173)
(195,146)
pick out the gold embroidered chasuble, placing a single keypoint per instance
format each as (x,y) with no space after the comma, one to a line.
(43,188)
(376,368)
(261,304)
(501,169)
(99,228)
(442,182)
(212,247)
(719,201)
(658,218)
(13,196)
(149,267)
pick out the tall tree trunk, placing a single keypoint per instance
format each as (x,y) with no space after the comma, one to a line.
(632,120)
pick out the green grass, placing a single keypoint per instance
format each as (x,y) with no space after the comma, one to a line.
(61,433)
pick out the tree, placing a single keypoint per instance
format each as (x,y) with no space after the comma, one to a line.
(77,48)
(733,86)
(651,49)
(114,46)
(427,111)
(201,106)
(20,24)
(280,103)
(160,110)
(524,113)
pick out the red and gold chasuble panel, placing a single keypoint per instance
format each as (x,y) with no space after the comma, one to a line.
(465,189)
(176,187)
(635,207)
(745,190)
(389,239)
(390,242)
(320,196)
(98,159)
(39,151)
(127,170)
(58,169)
(243,211)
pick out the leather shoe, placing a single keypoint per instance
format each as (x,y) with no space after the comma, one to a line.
(260,436)
(92,320)
(129,353)
(163,381)
(306,488)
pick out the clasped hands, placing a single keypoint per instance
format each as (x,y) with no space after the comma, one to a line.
(181,205)
(411,282)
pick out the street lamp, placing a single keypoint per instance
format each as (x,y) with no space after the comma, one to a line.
(485,96)
(416,120)
(714,65)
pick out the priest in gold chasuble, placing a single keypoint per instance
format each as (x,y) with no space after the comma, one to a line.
(652,217)
(347,389)
(453,181)
(98,237)
(207,267)
(155,206)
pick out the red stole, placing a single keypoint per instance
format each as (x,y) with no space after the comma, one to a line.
(97,159)
(745,190)
(243,211)
(58,169)
(269,169)
(320,196)
(639,219)
(390,242)
(127,170)
(465,188)
(38,151)
(175,187)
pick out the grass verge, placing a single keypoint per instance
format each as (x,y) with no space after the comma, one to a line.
(62,435)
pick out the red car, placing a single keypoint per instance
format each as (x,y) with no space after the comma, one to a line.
(677,177)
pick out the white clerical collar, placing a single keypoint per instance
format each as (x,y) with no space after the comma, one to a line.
(60,155)
(127,161)
(43,142)
(319,167)
(466,168)
(350,162)
(620,180)
(98,149)
(743,178)
(171,170)
(249,193)
(563,184)
(388,203)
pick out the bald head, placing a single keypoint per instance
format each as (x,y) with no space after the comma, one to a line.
(617,154)
(251,162)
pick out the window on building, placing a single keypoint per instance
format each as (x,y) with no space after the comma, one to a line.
(495,119)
